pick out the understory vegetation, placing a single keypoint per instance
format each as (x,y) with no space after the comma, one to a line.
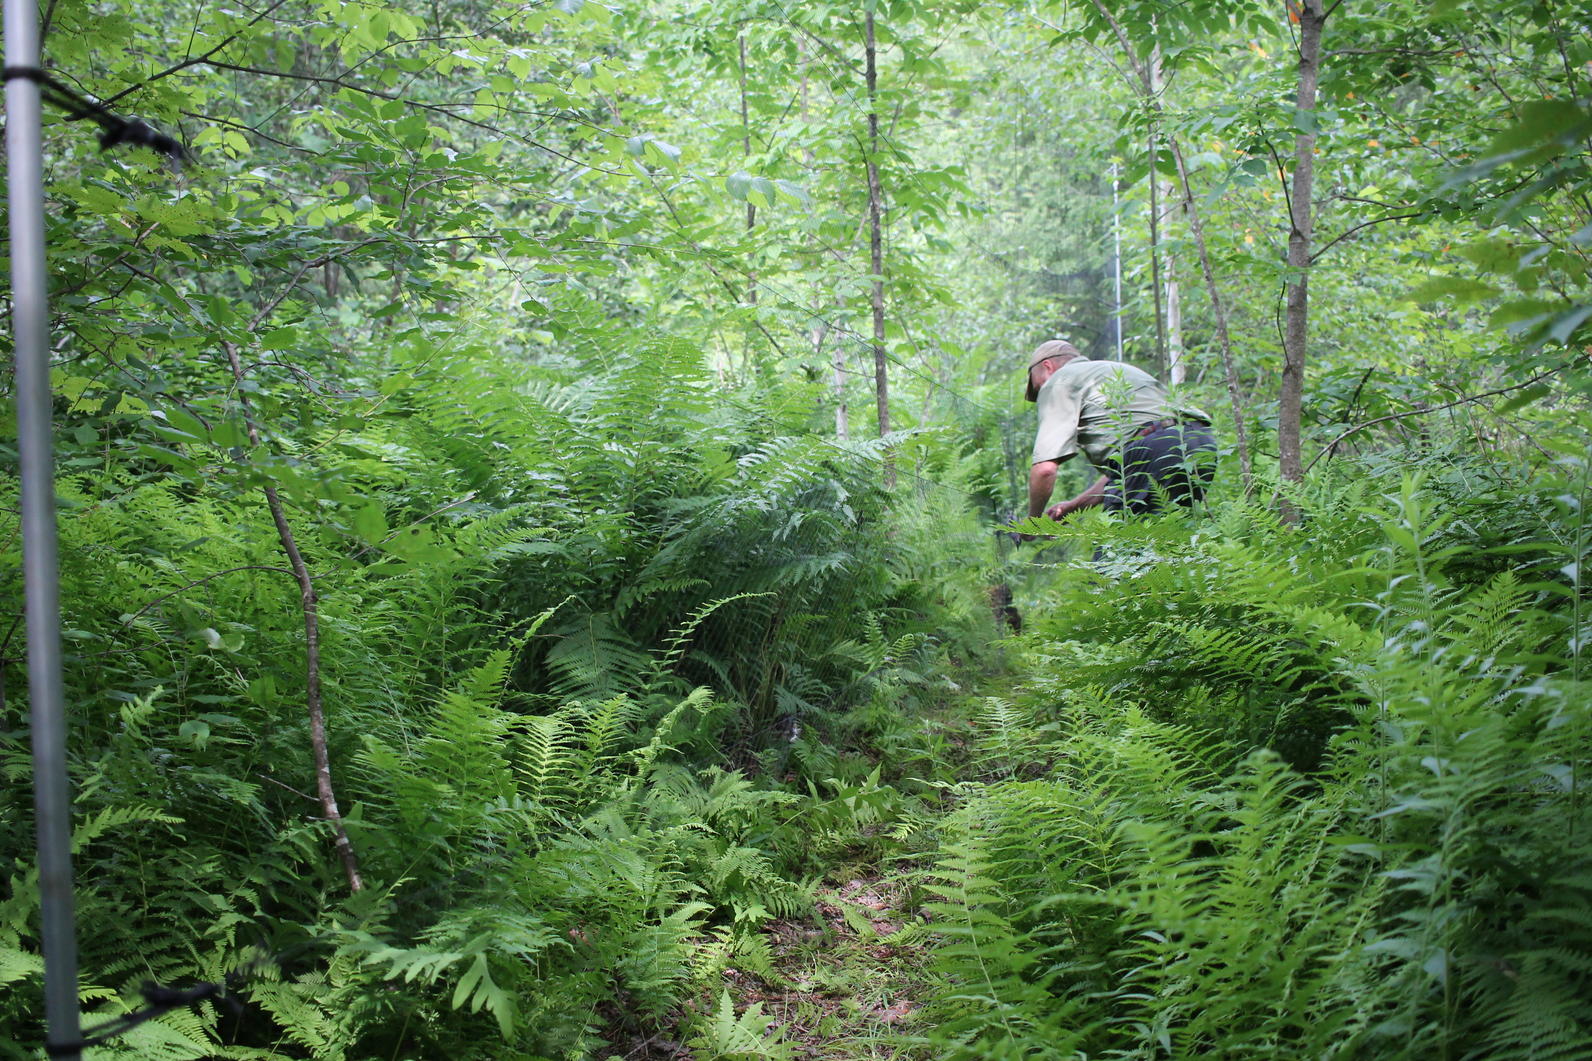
(1307,792)
(539,500)
(568,817)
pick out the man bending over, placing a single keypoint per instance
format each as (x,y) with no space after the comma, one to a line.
(1148,449)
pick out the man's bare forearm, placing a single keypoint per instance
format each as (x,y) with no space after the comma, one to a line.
(1041,483)
(1093,495)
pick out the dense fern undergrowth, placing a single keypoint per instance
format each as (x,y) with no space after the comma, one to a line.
(1312,791)
(618,669)
(598,657)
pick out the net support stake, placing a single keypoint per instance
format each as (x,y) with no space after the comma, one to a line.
(1116,252)
(30,317)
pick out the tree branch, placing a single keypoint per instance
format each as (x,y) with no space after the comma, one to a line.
(1364,224)
(322,79)
(196,582)
(193,60)
(308,603)
(1357,428)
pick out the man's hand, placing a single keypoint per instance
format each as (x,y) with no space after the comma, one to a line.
(1092,495)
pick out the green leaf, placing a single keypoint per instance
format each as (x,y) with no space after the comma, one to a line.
(1436,966)
(1565,324)
(229,433)
(370,523)
(638,145)
(1255,167)
(476,973)
(1541,122)
(1525,397)
(280,339)
(416,544)
(195,732)
(1462,289)
(793,191)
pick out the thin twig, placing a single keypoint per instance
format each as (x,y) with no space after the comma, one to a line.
(268,778)
(199,582)
(192,60)
(438,108)
(1357,428)
(308,603)
(1364,224)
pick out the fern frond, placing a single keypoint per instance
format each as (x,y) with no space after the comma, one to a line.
(594,658)
(748,1036)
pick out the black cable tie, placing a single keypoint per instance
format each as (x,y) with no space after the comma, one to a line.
(138,133)
(114,129)
(161,1000)
(171,997)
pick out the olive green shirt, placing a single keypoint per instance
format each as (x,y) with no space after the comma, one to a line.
(1095,406)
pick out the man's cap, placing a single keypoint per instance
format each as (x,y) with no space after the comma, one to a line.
(1047,350)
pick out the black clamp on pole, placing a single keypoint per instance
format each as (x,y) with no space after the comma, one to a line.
(114,129)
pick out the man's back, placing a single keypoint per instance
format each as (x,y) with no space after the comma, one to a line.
(1094,406)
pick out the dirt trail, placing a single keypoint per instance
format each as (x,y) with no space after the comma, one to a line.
(843,986)
(850,989)
(850,980)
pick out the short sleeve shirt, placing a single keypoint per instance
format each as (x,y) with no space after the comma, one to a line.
(1094,406)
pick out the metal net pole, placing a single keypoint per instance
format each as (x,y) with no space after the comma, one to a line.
(30,323)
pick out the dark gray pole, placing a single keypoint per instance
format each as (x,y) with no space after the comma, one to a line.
(30,321)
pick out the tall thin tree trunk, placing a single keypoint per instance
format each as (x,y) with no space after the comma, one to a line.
(1311,17)
(1169,332)
(1116,258)
(881,379)
(1176,366)
(842,411)
(819,331)
(750,289)
(1229,366)
(309,605)
(746,153)
(1152,90)
(837,366)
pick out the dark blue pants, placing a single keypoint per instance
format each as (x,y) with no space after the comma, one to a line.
(1174,464)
